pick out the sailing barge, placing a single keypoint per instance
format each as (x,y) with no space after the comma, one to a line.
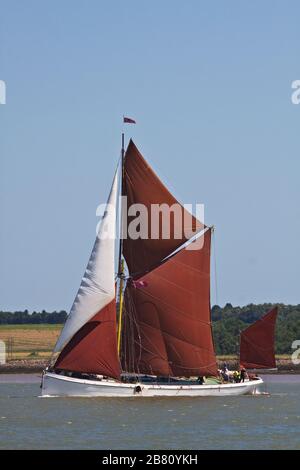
(159,342)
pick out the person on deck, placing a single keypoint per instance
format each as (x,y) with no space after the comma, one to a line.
(243,374)
(236,376)
(225,372)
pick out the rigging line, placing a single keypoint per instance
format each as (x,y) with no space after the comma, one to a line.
(131,329)
(215,265)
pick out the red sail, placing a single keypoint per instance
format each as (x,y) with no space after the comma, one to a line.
(257,343)
(93,349)
(167,328)
(142,186)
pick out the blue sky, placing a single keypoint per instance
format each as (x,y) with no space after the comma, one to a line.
(209,84)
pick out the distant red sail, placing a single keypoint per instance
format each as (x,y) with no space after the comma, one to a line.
(93,349)
(167,328)
(142,186)
(128,120)
(257,343)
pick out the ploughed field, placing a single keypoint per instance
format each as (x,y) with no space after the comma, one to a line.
(29,341)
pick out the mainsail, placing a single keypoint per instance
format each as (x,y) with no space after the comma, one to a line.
(88,340)
(142,186)
(167,328)
(257,343)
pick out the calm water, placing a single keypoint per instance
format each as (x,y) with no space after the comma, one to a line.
(259,422)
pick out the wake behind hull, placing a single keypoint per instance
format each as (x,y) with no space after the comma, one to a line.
(62,386)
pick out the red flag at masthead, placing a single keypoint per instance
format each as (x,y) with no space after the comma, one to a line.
(128,120)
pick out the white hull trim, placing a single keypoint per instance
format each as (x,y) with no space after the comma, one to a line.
(54,385)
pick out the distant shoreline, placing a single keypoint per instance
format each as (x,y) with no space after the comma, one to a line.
(24,366)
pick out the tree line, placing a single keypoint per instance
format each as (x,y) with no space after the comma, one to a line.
(227,323)
(26,318)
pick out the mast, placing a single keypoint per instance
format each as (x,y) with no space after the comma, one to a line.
(121,216)
(121,260)
(121,276)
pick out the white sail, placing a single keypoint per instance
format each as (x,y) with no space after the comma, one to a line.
(97,288)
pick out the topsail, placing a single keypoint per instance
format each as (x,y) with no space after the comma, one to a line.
(142,186)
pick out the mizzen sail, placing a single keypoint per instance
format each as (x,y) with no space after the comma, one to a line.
(257,343)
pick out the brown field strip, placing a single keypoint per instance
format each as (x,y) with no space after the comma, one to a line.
(34,340)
